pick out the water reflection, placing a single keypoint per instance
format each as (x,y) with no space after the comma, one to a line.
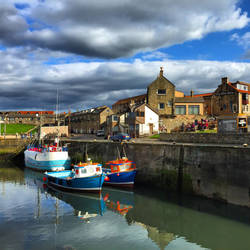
(167,221)
(118,201)
(11,173)
(118,219)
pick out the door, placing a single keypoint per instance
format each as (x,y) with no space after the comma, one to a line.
(151,127)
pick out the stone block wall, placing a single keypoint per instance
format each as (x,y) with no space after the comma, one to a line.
(218,172)
(213,138)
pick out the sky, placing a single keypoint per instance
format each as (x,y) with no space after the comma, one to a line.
(94,52)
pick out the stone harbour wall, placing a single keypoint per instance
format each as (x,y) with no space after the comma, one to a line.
(217,172)
(213,138)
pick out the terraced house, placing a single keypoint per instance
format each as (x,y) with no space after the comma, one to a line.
(28,117)
(89,120)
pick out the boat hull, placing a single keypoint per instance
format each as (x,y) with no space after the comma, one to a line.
(47,161)
(91,184)
(121,179)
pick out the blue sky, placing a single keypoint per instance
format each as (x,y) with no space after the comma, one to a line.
(96,52)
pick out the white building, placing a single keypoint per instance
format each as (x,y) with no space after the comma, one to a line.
(143,121)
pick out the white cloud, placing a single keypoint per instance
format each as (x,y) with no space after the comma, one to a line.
(111,29)
(32,84)
(243,40)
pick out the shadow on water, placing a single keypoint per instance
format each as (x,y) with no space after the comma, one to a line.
(210,224)
(165,217)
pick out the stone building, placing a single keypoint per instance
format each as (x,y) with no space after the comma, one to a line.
(125,105)
(89,121)
(161,96)
(28,117)
(230,104)
(231,98)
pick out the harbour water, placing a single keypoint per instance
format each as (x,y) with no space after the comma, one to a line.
(35,217)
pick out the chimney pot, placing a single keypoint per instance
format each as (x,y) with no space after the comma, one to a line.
(161,71)
(224,80)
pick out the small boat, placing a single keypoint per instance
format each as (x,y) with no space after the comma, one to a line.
(47,158)
(84,177)
(120,173)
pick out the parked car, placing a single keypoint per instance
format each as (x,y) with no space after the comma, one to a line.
(100,133)
(120,137)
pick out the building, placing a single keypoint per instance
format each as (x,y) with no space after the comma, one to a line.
(125,105)
(28,117)
(161,96)
(143,121)
(230,104)
(89,121)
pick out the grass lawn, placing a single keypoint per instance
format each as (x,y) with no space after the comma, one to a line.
(12,129)
(206,131)
(157,136)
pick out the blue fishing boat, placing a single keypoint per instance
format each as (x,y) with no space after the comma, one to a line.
(120,173)
(84,177)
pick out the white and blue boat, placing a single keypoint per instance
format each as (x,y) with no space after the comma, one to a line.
(47,158)
(84,177)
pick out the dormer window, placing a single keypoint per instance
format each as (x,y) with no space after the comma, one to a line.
(161,91)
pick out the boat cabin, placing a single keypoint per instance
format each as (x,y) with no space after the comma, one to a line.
(86,170)
(121,165)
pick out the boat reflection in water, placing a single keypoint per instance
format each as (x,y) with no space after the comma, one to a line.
(86,206)
(118,201)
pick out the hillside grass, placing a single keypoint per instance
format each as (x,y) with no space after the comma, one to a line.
(12,129)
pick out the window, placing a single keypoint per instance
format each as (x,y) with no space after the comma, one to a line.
(180,110)
(83,170)
(193,109)
(161,92)
(161,105)
(115,118)
(170,103)
(142,114)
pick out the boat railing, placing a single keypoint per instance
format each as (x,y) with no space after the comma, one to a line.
(47,149)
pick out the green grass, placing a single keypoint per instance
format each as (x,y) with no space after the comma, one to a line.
(157,136)
(206,131)
(12,129)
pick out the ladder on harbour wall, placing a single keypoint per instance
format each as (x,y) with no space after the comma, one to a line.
(21,147)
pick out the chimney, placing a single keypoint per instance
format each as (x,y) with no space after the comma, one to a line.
(192,93)
(161,71)
(224,80)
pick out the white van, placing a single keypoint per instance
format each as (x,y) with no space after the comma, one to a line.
(100,133)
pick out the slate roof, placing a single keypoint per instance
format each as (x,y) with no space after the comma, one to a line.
(189,99)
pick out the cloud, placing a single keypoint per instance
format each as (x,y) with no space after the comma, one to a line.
(27,84)
(114,29)
(243,40)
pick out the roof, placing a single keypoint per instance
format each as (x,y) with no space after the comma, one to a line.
(238,90)
(30,112)
(126,100)
(139,105)
(189,99)
(201,95)
(96,110)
